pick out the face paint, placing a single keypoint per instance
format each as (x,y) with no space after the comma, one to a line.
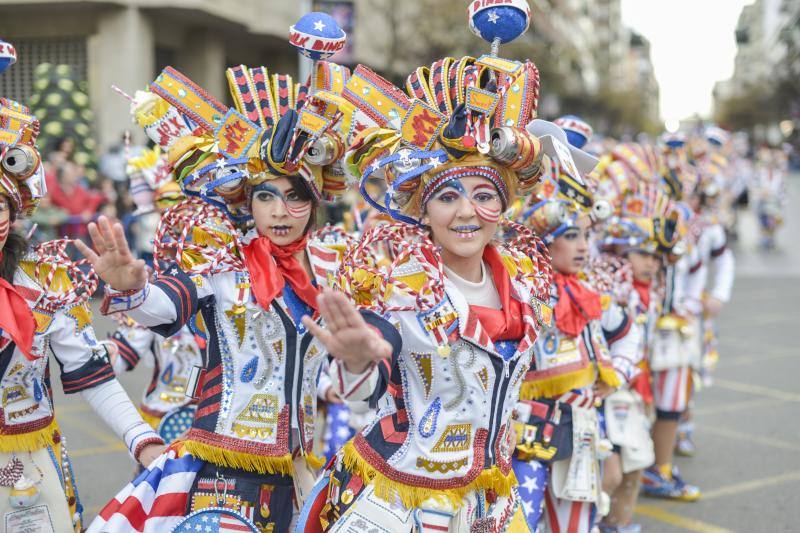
(5,219)
(484,199)
(295,207)
(487,203)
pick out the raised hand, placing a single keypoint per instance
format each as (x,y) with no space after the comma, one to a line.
(347,336)
(112,258)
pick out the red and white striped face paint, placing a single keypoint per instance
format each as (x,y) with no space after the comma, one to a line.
(486,201)
(463,215)
(280,213)
(5,220)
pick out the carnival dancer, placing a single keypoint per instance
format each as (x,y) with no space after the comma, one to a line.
(560,443)
(674,347)
(44,299)
(644,230)
(712,272)
(249,450)
(769,190)
(437,458)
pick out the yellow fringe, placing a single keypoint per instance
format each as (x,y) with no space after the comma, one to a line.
(29,442)
(154,421)
(557,385)
(245,461)
(315,461)
(609,376)
(389,490)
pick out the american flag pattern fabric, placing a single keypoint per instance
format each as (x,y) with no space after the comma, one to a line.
(155,501)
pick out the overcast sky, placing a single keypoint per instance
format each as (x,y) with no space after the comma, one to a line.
(693,46)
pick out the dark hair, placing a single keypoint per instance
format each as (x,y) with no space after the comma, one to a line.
(303,191)
(15,247)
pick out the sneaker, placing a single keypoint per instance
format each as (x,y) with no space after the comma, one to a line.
(684,444)
(665,482)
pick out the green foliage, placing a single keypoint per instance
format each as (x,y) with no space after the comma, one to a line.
(61,104)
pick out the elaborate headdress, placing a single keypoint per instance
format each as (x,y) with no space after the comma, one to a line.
(277,128)
(21,171)
(151,182)
(645,218)
(563,195)
(459,117)
(578,130)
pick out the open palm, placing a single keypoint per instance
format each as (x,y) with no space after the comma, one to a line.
(112,258)
(347,336)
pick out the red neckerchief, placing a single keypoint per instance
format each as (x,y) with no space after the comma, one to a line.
(503,324)
(577,304)
(271,266)
(16,320)
(643,288)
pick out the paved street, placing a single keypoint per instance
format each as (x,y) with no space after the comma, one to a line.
(748,463)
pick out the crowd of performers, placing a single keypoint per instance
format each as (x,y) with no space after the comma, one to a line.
(505,333)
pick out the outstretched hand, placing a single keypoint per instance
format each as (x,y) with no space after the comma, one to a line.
(347,336)
(112,258)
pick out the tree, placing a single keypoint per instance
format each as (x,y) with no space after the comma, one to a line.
(61,103)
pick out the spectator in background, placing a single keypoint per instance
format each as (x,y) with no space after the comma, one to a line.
(68,192)
(61,151)
(48,220)
(112,163)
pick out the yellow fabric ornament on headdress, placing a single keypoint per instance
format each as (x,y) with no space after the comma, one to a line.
(458,114)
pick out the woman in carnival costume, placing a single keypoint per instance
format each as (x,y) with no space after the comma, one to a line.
(713,268)
(769,191)
(587,352)
(172,359)
(641,236)
(44,299)
(674,341)
(460,307)
(248,456)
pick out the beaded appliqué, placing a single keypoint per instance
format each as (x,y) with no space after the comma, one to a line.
(455,438)
(267,329)
(424,365)
(463,357)
(436,321)
(263,410)
(483,378)
(427,424)
(441,467)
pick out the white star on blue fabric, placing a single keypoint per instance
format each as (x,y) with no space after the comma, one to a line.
(493,17)
(531,483)
(342,433)
(527,507)
(343,416)
(319,25)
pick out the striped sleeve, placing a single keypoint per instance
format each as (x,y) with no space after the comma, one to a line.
(83,360)
(126,352)
(96,371)
(182,292)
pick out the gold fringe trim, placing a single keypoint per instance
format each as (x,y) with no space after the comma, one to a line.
(314,461)
(29,442)
(557,385)
(609,376)
(281,464)
(153,420)
(389,490)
